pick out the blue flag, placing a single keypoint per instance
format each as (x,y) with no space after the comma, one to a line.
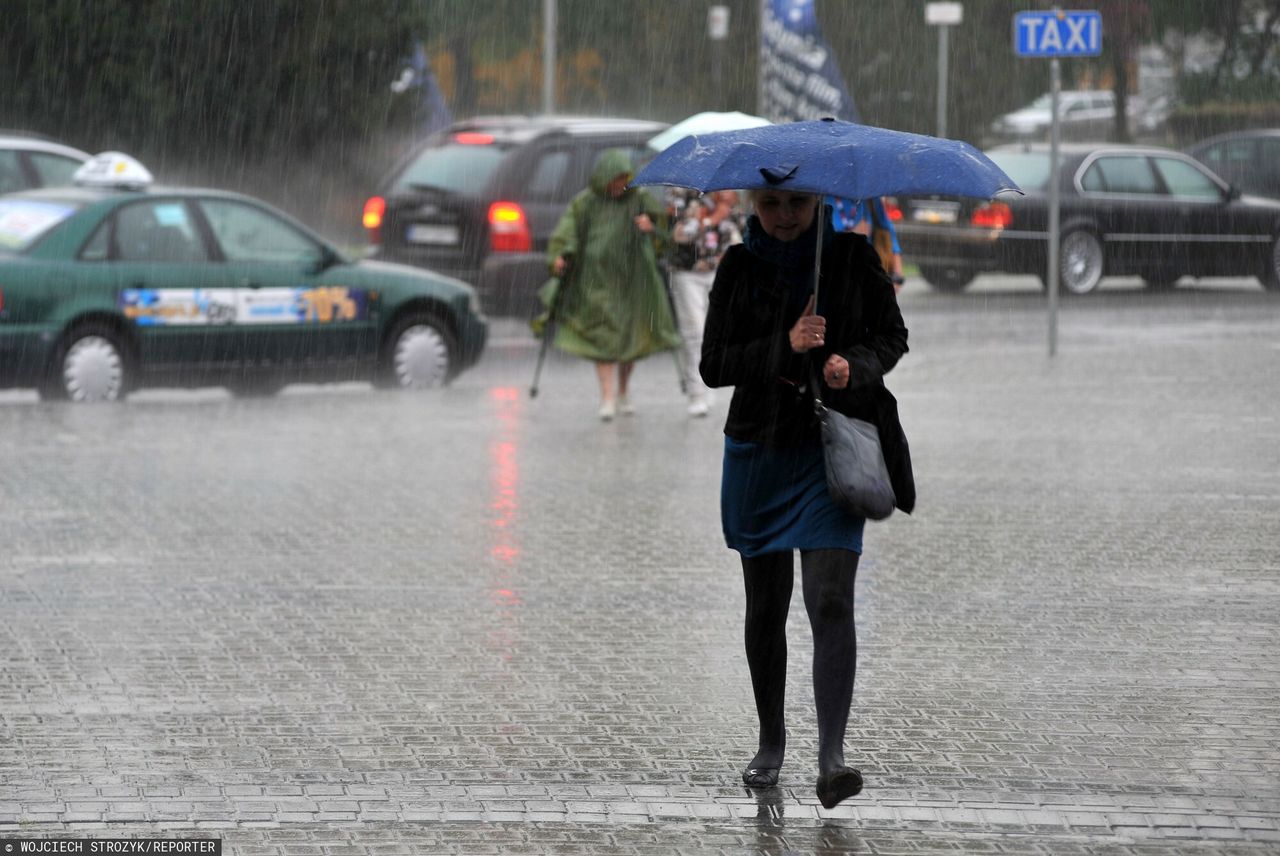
(435,112)
(801,79)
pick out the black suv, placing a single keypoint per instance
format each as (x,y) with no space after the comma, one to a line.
(478,201)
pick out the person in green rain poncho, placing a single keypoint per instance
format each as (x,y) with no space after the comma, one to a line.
(614,309)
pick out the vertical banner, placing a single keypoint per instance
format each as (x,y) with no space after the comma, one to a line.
(799,77)
(432,108)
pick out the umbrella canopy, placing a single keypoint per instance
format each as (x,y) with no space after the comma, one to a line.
(705,123)
(827,156)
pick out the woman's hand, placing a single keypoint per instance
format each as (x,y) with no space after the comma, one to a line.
(643,223)
(558,266)
(809,331)
(836,372)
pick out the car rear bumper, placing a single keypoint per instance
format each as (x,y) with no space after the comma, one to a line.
(25,354)
(975,249)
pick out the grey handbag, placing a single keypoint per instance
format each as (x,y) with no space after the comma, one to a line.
(856,473)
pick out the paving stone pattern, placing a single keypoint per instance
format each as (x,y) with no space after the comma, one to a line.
(344,621)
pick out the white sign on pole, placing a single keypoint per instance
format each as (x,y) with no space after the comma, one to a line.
(943,14)
(718,23)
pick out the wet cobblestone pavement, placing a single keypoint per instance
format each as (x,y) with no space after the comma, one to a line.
(342,621)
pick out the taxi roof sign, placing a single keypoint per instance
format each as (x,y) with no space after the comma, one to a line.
(113,169)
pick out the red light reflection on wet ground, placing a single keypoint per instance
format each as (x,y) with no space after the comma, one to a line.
(504,507)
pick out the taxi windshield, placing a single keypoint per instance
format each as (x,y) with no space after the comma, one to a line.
(24,221)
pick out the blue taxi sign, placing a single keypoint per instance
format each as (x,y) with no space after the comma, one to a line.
(1057,33)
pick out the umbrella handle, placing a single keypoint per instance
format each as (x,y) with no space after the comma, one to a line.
(817,261)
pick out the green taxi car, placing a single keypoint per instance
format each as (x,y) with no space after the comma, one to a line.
(116,284)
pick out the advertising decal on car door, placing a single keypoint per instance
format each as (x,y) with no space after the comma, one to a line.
(193,306)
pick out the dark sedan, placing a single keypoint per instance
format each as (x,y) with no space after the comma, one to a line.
(1125,210)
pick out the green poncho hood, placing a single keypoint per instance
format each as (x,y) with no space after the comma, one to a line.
(609,165)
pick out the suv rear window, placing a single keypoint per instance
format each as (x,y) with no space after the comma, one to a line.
(455,167)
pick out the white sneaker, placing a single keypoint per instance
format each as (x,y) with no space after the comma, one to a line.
(698,406)
(625,407)
(607,410)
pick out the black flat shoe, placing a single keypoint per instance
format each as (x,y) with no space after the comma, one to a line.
(760,777)
(838,786)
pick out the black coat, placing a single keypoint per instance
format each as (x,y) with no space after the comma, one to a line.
(746,345)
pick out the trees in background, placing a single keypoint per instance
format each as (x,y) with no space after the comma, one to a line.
(212,74)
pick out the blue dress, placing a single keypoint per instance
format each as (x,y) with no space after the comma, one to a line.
(775,498)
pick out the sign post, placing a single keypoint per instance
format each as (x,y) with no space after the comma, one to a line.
(548,56)
(1056,34)
(944,16)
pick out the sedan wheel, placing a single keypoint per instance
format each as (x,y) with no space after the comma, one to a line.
(93,367)
(421,355)
(1081,262)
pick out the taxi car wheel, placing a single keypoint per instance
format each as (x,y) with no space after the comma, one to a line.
(948,279)
(1081,262)
(419,354)
(92,365)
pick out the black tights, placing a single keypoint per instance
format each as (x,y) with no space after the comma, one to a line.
(827,578)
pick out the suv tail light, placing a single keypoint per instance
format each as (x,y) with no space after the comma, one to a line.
(891,208)
(992,215)
(509,229)
(374,210)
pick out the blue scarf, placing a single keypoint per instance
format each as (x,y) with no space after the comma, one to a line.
(793,259)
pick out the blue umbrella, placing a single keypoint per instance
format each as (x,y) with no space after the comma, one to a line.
(827,156)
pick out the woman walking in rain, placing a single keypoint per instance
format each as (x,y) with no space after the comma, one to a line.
(614,308)
(764,334)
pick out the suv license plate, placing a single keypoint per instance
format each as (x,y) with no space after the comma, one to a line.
(420,234)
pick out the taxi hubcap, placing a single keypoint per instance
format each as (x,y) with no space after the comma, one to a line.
(93,370)
(421,357)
